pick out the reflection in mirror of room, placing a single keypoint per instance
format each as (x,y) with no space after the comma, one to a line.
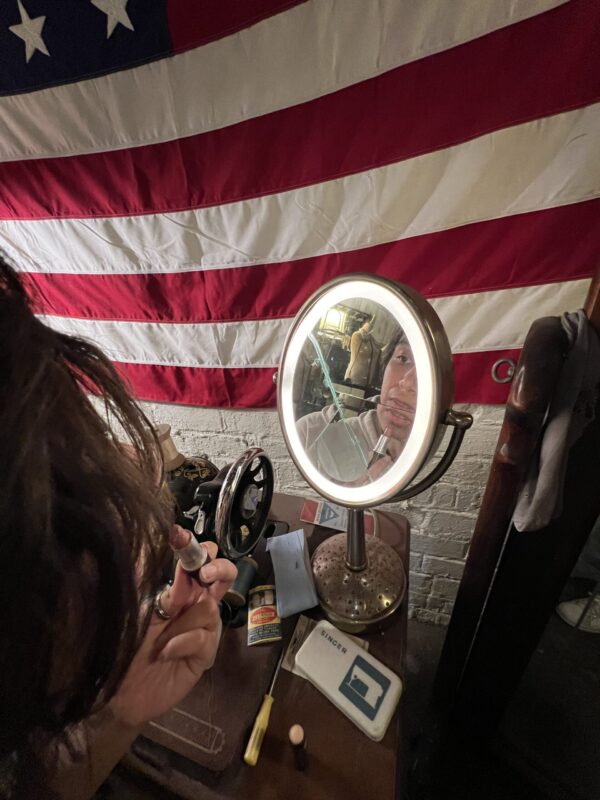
(358,366)
(354,395)
(358,448)
(364,356)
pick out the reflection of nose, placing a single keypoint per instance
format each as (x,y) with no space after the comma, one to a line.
(409,381)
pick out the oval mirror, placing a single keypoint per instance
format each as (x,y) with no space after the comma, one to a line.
(364,395)
(364,387)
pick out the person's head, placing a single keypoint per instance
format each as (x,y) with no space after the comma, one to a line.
(82,527)
(367,324)
(396,410)
(364,324)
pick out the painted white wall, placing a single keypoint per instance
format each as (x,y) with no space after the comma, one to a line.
(442,519)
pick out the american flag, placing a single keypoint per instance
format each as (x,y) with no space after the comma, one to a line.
(178,176)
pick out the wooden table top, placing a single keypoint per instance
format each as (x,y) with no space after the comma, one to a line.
(342,761)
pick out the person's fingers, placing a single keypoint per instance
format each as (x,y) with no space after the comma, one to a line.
(182,593)
(219,589)
(379,467)
(185,591)
(203,614)
(212,548)
(220,570)
(199,644)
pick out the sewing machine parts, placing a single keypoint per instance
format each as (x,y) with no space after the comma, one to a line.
(229,506)
(235,504)
(183,474)
(232,506)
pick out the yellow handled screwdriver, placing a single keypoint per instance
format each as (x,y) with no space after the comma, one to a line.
(261,723)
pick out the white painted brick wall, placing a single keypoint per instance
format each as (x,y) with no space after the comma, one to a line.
(442,519)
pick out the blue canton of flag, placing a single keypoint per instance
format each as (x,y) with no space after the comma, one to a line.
(45,43)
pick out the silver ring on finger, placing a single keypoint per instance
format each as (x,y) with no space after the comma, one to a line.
(159,610)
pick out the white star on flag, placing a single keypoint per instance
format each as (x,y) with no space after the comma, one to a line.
(115,14)
(30,30)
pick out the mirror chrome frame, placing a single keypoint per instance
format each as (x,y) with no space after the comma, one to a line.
(435,384)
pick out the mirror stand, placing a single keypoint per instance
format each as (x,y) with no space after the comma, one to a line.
(360,581)
(364,398)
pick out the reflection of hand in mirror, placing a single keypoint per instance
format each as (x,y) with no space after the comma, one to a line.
(376,470)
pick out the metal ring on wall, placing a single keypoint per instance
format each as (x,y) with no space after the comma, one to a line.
(510,371)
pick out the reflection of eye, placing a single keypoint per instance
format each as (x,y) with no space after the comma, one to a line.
(403,358)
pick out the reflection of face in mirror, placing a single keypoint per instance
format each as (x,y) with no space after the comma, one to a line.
(396,410)
(355,392)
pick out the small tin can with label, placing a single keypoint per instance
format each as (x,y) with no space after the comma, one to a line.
(264,624)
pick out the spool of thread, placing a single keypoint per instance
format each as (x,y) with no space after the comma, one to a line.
(171,456)
(237,596)
(298,742)
(232,617)
(227,613)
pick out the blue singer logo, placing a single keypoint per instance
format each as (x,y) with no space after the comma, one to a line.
(365,687)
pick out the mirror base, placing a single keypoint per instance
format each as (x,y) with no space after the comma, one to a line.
(357,601)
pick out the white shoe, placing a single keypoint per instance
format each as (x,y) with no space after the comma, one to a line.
(571,610)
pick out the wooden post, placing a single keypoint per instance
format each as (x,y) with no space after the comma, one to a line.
(512,581)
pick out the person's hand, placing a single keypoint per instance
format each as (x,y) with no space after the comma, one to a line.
(377,469)
(175,653)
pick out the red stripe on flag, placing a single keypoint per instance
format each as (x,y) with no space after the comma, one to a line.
(473,382)
(550,246)
(193,23)
(495,81)
(254,388)
(225,388)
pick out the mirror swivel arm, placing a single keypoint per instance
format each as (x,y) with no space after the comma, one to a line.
(461,422)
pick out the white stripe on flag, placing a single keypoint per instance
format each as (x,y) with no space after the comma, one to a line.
(533,166)
(211,344)
(500,320)
(484,321)
(305,52)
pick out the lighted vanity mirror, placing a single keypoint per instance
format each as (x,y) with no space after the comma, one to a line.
(364,394)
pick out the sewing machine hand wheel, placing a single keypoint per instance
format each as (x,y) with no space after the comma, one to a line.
(235,504)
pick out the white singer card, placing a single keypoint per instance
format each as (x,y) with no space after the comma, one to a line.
(363,688)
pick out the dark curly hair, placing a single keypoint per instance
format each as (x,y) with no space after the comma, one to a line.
(388,351)
(83,529)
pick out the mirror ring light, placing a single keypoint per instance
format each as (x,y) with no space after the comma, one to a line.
(433,361)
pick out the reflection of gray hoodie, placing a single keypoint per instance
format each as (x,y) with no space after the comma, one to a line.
(339,448)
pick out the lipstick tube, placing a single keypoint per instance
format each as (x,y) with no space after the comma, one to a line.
(379,450)
(192,555)
(298,742)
